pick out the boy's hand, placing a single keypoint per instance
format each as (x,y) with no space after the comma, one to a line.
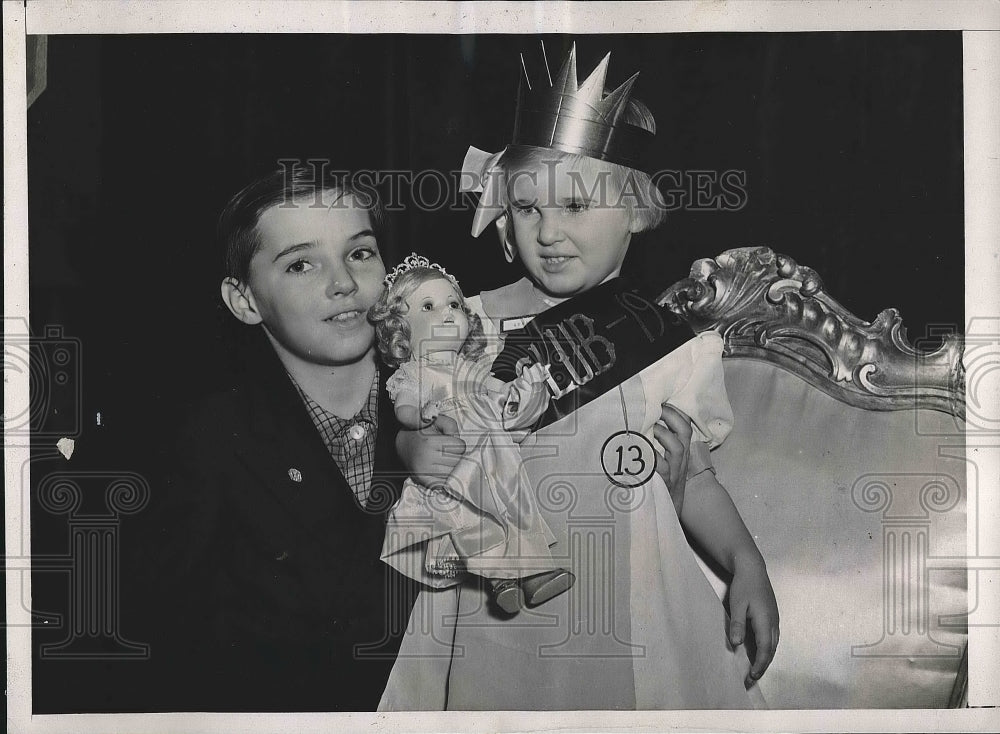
(430,456)
(429,412)
(446,424)
(674,435)
(751,600)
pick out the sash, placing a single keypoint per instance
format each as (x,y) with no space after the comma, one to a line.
(592,343)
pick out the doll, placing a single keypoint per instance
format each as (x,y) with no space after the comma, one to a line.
(483,519)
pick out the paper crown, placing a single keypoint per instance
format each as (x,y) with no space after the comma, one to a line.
(411,261)
(562,115)
(579,118)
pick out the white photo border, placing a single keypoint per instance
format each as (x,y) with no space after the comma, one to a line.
(978,20)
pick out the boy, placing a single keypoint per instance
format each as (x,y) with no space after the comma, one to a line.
(272,594)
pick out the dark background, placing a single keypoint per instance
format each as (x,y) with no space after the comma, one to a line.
(851,142)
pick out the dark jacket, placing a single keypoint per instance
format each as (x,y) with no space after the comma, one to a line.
(266,586)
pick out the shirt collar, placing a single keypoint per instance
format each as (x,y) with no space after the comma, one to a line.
(368,412)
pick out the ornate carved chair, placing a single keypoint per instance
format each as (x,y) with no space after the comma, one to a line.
(847,465)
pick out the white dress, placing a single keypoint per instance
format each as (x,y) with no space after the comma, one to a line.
(642,628)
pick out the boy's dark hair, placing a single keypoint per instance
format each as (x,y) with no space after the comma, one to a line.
(237,228)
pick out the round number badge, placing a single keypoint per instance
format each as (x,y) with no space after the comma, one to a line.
(628,459)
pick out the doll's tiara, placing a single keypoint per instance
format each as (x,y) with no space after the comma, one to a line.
(411,261)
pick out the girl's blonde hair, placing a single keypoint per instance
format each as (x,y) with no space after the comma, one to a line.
(392,332)
(636,190)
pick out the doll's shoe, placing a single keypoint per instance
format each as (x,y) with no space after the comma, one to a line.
(508,595)
(540,588)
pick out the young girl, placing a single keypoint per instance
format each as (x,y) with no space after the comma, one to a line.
(484,518)
(642,628)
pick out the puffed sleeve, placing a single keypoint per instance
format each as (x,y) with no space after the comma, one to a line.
(403,386)
(690,378)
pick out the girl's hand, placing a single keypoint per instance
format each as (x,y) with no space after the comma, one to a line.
(526,399)
(531,376)
(674,435)
(534,374)
(751,601)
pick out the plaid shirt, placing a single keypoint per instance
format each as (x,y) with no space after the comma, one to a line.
(351,441)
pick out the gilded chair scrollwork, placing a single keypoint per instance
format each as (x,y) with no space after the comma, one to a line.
(766,306)
(824,404)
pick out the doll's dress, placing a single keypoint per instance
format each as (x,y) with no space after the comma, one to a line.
(642,628)
(484,518)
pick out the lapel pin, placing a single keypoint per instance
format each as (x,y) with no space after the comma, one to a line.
(295,475)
